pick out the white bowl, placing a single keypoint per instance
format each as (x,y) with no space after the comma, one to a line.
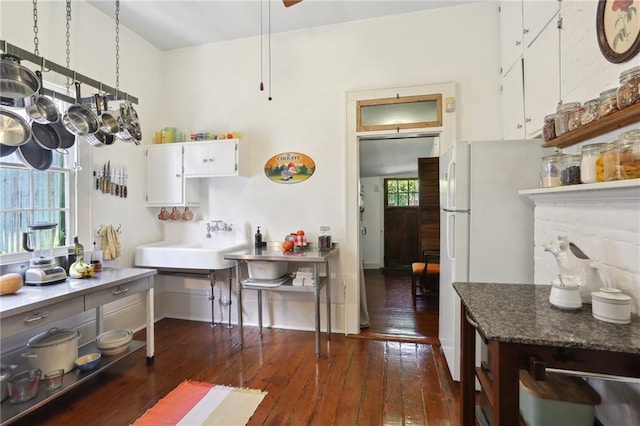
(114,338)
(610,305)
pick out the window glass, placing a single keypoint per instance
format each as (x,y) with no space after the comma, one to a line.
(402,192)
(400,113)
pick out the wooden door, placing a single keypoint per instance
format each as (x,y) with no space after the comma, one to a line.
(429,210)
(400,227)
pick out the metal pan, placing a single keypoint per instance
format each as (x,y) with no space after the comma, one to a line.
(14,130)
(18,84)
(34,156)
(43,110)
(131,122)
(99,139)
(66,139)
(45,136)
(6,150)
(78,119)
(108,120)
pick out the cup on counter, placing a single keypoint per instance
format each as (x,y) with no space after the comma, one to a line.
(53,379)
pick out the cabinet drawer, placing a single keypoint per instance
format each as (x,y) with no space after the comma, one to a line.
(37,317)
(112,294)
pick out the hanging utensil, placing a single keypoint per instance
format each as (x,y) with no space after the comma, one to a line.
(99,139)
(108,119)
(18,84)
(66,139)
(43,110)
(78,119)
(14,130)
(34,156)
(6,150)
(45,136)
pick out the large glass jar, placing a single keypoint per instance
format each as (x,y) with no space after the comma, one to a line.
(590,112)
(575,118)
(562,117)
(610,160)
(570,169)
(589,162)
(608,102)
(629,155)
(549,128)
(629,90)
(550,170)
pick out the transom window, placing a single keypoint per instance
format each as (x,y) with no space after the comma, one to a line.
(401,192)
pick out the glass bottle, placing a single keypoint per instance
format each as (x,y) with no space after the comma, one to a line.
(629,90)
(575,118)
(550,170)
(610,162)
(590,113)
(588,162)
(78,249)
(562,117)
(570,169)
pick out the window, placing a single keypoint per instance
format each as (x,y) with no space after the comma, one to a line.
(31,196)
(401,112)
(401,192)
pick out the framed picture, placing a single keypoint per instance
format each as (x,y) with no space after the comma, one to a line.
(618,29)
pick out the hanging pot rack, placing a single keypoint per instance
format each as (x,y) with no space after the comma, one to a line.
(25,55)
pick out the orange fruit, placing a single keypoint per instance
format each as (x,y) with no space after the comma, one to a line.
(287,245)
(300,232)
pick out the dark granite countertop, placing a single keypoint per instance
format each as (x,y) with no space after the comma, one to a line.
(521,313)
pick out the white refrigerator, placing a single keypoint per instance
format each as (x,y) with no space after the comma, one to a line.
(486,227)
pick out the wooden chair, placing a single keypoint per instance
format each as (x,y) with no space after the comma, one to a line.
(427,273)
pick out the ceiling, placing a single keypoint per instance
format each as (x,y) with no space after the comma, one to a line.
(395,155)
(174,24)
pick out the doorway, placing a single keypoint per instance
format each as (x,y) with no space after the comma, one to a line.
(354,246)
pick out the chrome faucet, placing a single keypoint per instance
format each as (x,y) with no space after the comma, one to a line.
(208,230)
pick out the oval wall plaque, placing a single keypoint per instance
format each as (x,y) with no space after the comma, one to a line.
(289,167)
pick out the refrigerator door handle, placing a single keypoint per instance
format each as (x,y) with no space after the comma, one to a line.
(457,210)
(451,170)
(451,236)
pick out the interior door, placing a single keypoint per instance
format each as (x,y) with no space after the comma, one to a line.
(401,236)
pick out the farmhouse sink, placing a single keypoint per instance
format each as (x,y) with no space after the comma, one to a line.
(197,251)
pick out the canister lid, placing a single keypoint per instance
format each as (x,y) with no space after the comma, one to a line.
(611,295)
(53,336)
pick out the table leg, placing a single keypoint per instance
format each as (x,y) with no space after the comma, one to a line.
(328,299)
(239,303)
(260,309)
(467,370)
(316,293)
(150,325)
(506,383)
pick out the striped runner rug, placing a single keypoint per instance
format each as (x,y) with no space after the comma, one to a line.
(196,403)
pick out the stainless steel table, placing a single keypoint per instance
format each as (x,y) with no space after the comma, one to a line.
(273,253)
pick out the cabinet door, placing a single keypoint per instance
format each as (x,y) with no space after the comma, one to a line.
(223,158)
(165,183)
(513,103)
(510,33)
(197,159)
(535,16)
(541,79)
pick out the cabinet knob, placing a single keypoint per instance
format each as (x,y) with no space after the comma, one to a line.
(519,126)
(204,160)
(211,160)
(527,120)
(525,31)
(177,175)
(518,42)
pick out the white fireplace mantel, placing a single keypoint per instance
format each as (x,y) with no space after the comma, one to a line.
(616,191)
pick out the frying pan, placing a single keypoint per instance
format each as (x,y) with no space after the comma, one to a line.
(45,136)
(131,122)
(78,119)
(14,130)
(18,84)
(34,156)
(43,110)
(7,149)
(108,120)
(66,139)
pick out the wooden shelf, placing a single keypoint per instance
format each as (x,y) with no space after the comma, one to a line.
(601,126)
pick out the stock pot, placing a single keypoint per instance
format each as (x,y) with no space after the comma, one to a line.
(55,349)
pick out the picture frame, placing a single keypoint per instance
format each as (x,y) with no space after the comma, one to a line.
(618,29)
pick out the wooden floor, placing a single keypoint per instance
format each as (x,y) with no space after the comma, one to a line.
(357,381)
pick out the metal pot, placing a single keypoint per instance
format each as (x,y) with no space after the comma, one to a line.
(66,139)
(5,375)
(130,124)
(45,136)
(100,138)
(78,119)
(18,84)
(43,110)
(108,119)
(14,130)
(55,349)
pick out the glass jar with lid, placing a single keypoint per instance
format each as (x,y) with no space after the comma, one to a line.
(570,169)
(589,156)
(610,161)
(629,155)
(591,111)
(549,127)
(562,116)
(629,90)
(608,102)
(575,118)
(550,170)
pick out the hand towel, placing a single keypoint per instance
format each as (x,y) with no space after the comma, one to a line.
(110,243)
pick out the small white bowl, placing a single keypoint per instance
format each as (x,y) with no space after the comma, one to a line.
(611,305)
(565,296)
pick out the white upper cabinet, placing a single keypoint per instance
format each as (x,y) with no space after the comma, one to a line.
(166,183)
(214,158)
(513,103)
(536,15)
(511,38)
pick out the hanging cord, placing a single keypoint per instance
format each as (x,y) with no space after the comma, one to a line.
(36,41)
(559,23)
(270,50)
(261,47)
(117,47)
(68,43)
